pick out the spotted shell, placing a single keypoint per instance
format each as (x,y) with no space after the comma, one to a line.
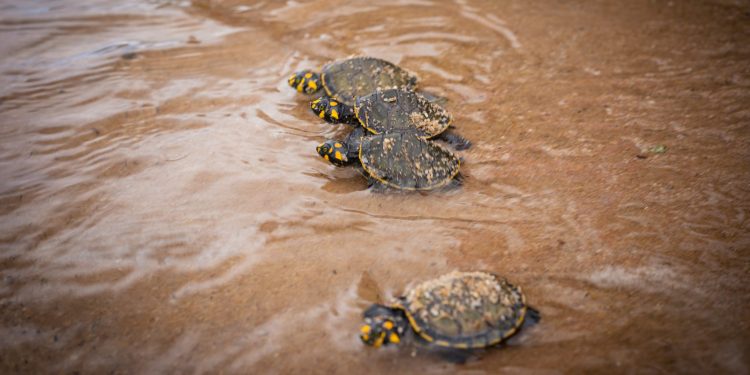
(399,110)
(465,309)
(345,80)
(406,161)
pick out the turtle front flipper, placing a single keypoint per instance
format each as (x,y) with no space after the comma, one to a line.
(305,81)
(334,111)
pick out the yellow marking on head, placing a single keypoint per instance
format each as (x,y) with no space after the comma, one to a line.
(312,85)
(338,144)
(301,85)
(365,329)
(326,157)
(379,340)
(316,101)
(291,79)
(394,338)
(330,151)
(388,324)
(338,155)
(334,114)
(308,75)
(366,337)
(322,114)
(333,103)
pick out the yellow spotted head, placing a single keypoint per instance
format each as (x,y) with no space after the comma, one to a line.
(305,81)
(382,326)
(333,111)
(334,151)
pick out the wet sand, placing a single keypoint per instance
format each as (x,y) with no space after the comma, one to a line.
(162,207)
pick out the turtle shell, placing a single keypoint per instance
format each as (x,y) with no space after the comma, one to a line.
(345,80)
(465,310)
(397,110)
(406,161)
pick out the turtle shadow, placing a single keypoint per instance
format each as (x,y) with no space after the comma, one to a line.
(344,185)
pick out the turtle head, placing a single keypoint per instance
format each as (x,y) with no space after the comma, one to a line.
(334,151)
(305,81)
(334,111)
(383,325)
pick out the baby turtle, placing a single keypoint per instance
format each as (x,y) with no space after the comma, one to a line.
(403,110)
(399,160)
(345,80)
(460,311)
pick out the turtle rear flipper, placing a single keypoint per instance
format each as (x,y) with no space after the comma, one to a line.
(532,318)
(434,98)
(454,140)
(455,183)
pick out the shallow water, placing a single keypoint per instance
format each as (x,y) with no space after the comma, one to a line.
(163,209)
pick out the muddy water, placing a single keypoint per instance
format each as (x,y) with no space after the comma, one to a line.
(162,208)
